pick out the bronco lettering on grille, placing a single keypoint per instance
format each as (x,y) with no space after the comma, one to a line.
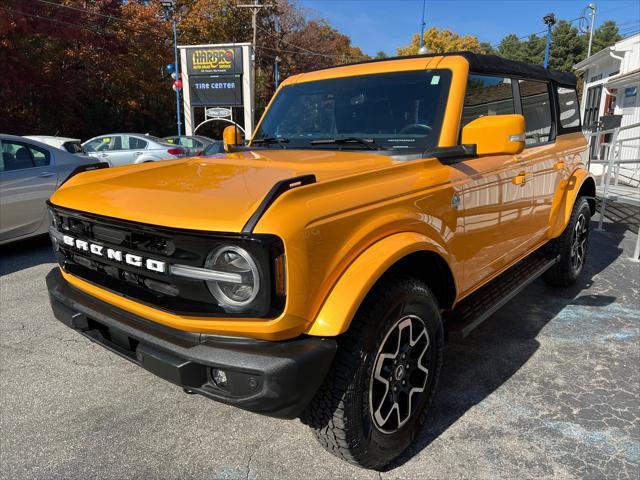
(117,255)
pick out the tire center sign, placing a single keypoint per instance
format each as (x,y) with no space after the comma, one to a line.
(217,76)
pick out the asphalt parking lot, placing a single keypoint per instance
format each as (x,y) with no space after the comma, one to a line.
(547,387)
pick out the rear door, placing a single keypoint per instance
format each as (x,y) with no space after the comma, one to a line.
(496,199)
(540,155)
(127,149)
(27,179)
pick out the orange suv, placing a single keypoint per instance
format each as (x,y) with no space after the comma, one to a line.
(379,209)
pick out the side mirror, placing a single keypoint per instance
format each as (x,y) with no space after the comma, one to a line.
(495,134)
(231,137)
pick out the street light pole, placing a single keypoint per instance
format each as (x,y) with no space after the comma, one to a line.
(169,7)
(276,72)
(549,19)
(175,55)
(422,25)
(592,6)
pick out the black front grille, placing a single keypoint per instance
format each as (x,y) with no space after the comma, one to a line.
(160,290)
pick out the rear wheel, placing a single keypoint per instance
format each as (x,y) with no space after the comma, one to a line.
(373,401)
(572,246)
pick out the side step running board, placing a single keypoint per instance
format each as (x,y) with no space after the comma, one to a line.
(483,303)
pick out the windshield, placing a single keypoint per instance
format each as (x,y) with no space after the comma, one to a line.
(389,110)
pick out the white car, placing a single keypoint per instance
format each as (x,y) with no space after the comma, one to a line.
(126,148)
(71,145)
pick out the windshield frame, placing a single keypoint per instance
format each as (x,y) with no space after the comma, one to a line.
(388,142)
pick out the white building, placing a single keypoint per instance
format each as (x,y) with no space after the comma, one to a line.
(612,91)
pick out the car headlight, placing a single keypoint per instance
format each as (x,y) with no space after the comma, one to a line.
(243,285)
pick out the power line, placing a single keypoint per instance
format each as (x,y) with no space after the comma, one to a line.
(107,16)
(82,27)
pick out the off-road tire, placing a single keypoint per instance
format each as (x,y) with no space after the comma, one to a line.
(339,414)
(565,273)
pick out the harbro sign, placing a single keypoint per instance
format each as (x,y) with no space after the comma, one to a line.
(204,61)
(217,76)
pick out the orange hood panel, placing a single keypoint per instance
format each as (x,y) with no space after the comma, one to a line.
(216,193)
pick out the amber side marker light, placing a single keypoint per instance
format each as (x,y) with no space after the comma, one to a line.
(280,274)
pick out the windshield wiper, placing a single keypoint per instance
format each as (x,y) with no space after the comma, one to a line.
(272,140)
(367,142)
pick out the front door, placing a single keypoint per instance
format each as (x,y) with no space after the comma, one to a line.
(496,198)
(496,207)
(27,180)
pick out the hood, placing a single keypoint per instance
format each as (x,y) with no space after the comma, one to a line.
(213,193)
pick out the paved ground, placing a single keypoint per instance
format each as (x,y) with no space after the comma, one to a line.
(548,387)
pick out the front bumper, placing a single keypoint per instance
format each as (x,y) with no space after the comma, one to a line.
(272,378)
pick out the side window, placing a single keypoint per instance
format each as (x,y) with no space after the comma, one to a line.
(487,95)
(41,158)
(187,142)
(569,110)
(18,156)
(137,143)
(536,108)
(98,145)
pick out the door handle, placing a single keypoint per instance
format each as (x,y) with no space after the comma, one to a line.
(137,153)
(104,154)
(520,179)
(559,165)
(46,174)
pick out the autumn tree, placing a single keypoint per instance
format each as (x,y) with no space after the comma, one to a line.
(441,41)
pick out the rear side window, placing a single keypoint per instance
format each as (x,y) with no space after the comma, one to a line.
(20,156)
(487,95)
(129,143)
(536,108)
(569,109)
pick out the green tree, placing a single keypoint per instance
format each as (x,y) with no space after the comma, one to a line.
(605,36)
(567,47)
(381,54)
(533,49)
(511,47)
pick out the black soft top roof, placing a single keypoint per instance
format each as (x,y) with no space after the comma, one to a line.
(492,64)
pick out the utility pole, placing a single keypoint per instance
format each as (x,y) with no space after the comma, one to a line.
(255,9)
(169,7)
(591,6)
(422,25)
(550,20)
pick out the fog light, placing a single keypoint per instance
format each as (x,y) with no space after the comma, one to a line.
(219,378)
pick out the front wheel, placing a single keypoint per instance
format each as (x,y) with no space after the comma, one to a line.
(572,246)
(374,400)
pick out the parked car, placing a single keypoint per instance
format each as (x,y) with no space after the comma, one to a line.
(126,148)
(71,145)
(380,209)
(194,144)
(30,171)
(214,148)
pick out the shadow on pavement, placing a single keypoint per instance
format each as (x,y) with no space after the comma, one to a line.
(478,365)
(25,254)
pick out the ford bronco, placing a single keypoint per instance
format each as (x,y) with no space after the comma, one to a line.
(379,209)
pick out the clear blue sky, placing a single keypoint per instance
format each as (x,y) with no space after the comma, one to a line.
(375,25)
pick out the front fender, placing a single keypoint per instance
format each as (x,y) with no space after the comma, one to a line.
(345,298)
(565,197)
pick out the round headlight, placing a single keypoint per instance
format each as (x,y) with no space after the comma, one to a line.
(234,294)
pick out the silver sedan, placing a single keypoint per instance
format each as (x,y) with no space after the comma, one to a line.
(30,171)
(126,148)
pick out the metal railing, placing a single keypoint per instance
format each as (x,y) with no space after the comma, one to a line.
(617,183)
